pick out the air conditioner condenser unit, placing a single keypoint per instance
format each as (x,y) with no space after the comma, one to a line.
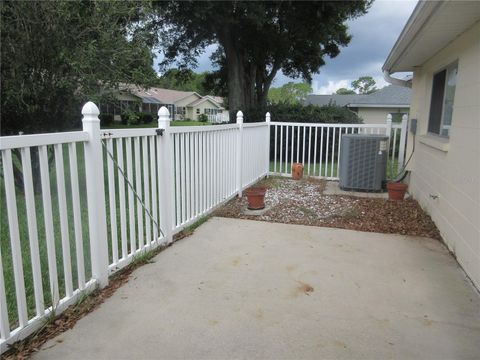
(363,162)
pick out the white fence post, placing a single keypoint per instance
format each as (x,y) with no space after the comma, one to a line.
(95,194)
(166,174)
(388,128)
(403,141)
(239,152)
(267,120)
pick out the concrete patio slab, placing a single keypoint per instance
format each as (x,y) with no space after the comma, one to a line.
(239,289)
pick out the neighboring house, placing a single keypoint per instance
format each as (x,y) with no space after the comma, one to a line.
(181,104)
(441,45)
(372,108)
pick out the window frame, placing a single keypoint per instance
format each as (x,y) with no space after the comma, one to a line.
(448,68)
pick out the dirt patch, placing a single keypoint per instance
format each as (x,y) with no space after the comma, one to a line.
(303,202)
(303,288)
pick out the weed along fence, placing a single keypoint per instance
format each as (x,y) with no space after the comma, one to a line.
(79,206)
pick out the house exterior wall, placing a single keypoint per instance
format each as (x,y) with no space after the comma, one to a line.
(187,100)
(202,106)
(450,168)
(378,115)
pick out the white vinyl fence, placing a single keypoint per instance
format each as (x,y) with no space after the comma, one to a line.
(318,146)
(103,197)
(82,205)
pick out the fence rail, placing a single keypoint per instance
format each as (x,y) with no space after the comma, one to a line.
(318,146)
(142,186)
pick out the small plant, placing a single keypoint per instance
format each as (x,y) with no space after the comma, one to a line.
(202,118)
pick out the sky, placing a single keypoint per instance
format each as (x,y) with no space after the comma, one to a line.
(373,36)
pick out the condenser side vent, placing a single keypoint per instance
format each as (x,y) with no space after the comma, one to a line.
(363,162)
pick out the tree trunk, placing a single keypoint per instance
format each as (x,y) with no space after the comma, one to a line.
(235,74)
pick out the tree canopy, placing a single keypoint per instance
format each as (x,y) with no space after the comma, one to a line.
(345,91)
(56,55)
(364,85)
(255,39)
(185,80)
(289,93)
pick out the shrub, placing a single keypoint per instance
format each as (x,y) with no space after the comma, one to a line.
(306,114)
(202,118)
(145,118)
(106,119)
(130,117)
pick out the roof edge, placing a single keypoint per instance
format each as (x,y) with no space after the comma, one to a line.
(416,22)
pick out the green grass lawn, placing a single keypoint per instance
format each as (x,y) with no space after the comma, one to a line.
(328,170)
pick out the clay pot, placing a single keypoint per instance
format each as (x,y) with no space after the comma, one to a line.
(256,197)
(297,171)
(396,190)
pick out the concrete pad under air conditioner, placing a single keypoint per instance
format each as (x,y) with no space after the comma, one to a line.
(333,188)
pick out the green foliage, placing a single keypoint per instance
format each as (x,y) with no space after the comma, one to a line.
(202,118)
(256,40)
(364,85)
(130,117)
(344,91)
(55,55)
(306,114)
(106,119)
(184,80)
(145,118)
(289,93)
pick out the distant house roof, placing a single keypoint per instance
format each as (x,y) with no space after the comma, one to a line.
(335,99)
(205,98)
(387,97)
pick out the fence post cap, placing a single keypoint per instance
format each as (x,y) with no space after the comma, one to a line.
(389,117)
(90,109)
(239,117)
(163,111)
(404,117)
(163,118)
(267,117)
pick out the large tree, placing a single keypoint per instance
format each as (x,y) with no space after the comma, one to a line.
(364,85)
(289,93)
(256,39)
(57,54)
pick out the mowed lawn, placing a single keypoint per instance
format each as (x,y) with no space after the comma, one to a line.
(325,170)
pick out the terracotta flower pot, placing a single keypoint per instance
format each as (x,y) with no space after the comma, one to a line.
(297,171)
(396,190)
(256,197)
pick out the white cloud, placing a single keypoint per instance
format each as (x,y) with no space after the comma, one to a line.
(330,88)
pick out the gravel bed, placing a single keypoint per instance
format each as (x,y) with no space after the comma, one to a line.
(303,202)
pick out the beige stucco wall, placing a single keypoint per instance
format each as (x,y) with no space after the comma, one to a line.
(378,115)
(451,169)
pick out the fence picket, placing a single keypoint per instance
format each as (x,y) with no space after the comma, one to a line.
(32,231)
(14,237)
(77,220)
(48,220)
(121,198)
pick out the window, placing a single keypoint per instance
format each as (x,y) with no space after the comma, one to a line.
(198,111)
(210,111)
(441,104)
(181,110)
